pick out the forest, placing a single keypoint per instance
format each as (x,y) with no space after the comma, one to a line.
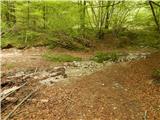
(80,59)
(48,22)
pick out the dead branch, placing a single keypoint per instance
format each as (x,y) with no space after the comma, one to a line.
(145,115)
(17,106)
(13,99)
(9,91)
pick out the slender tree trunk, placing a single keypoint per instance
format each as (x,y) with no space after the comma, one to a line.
(28,15)
(107,16)
(82,21)
(44,15)
(7,15)
(12,11)
(154,15)
(100,33)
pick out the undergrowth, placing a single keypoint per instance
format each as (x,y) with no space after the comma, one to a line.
(22,39)
(102,56)
(141,38)
(60,57)
(29,38)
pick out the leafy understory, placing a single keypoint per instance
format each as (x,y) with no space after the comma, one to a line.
(103,56)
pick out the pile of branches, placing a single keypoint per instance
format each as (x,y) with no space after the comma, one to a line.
(16,83)
(65,40)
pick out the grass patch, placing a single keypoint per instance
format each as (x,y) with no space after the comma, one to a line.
(60,57)
(102,56)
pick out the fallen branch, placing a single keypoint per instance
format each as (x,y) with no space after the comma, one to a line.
(15,77)
(16,107)
(145,115)
(2,110)
(13,99)
(9,91)
(52,73)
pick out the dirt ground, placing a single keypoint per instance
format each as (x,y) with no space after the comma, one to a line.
(123,91)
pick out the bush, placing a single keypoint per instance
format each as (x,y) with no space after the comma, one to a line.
(101,56)
(64,40)
(21,39)
(142,38)
(61,57)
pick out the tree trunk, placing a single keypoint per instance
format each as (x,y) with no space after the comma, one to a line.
(100,33)
(7,13)
(12,11)
(107,16)
(154,15)
(28,15)
(44,15)
(82,18)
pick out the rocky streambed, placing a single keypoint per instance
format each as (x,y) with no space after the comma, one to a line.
(68,70)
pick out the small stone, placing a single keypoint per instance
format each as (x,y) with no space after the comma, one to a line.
(114,108)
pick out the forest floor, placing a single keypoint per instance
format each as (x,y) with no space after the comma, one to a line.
(117,91)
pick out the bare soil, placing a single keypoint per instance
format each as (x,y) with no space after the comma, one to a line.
(123,91)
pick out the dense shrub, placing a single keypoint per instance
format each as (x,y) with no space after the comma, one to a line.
(142,38)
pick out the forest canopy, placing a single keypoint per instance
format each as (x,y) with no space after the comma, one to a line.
(76,23)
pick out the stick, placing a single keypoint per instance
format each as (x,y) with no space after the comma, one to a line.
(145,115)
(16,107)
(13,99)
(6,107)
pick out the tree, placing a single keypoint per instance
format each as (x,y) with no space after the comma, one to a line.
(82,16)
(44,15)
(154,15)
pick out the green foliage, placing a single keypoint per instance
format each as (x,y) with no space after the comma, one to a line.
(143,38)
(102,56)
(60,57)
(24,38)
(156,75)
(68,44)
(36,23)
